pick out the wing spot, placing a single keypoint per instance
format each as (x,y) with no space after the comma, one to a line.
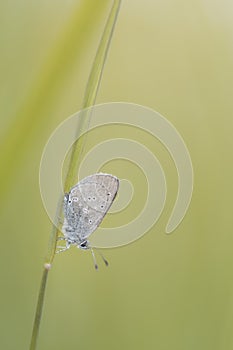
(94,198)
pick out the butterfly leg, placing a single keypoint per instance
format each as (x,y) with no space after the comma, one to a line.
(61,238)
(62,249)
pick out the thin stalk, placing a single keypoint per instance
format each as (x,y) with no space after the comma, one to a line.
(91,93)
(89,100)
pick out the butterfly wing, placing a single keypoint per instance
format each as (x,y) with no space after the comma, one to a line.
(89,201)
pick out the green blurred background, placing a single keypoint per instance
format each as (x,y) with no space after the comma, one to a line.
(161,292)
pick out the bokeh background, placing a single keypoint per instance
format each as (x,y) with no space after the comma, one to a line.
(161,292)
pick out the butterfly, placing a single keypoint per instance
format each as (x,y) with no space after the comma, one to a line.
(84,209)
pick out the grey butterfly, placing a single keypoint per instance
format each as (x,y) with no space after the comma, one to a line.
(84,209)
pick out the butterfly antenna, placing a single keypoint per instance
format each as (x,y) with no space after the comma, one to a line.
(94,259)
(103,258)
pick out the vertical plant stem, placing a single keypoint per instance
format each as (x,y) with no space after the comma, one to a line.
(38,314)
(89,100)
(91,92)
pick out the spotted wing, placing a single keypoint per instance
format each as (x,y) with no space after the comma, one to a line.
(89,201)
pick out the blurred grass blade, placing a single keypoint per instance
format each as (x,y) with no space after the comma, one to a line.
(34,112)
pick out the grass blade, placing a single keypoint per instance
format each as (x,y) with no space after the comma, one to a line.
(89,100)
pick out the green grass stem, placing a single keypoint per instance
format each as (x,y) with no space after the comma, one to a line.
(77,148)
